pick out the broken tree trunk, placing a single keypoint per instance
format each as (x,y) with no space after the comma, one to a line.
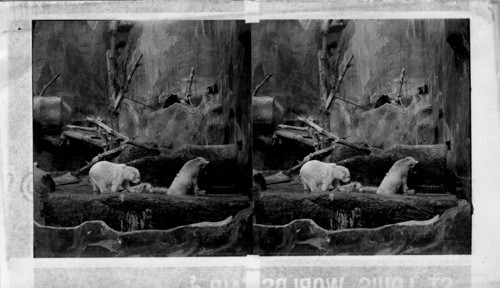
(260,85)
(330,135)
(400,88)
(431,170)
(124,89)
(98,158)
(188,90)
(48,84)
(336,89)
(339,210)
(222,171)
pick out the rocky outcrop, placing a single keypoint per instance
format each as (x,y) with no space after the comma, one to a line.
(230,237)
(449,233)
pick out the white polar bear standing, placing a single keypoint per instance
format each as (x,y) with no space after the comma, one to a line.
(186,181)
(104,175)
(395,180)
(317,175)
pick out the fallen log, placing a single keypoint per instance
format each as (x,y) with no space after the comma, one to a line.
(430,170)
(222,172)
(89,129)
(336,211)
(137,211)
(294,136)
(82,136)
(298,128)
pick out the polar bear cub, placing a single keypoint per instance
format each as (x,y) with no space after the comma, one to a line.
(108,177)
(316,175)
(395,180)
(186,181)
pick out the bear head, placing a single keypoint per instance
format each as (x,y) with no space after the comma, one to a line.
(132,174)
(343,174)
(201,162)
(411,162)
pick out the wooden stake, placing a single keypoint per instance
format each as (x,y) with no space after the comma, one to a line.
(260,85)
(400,88)
(48,84)
(336,89)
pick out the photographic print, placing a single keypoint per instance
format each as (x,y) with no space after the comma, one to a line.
(142,138)
(362,136)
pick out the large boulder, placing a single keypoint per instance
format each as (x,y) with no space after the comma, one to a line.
(51,112)
(267,113)
(180,124)
(390,124)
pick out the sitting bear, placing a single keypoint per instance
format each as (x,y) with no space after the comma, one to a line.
(186,181)
(318,175)
(395,180)
(105,174)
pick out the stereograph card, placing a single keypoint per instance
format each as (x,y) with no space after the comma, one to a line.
(249,144)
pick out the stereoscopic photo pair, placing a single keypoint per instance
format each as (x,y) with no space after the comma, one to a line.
(222,138)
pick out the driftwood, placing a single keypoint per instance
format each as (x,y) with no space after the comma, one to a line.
(48,84)
(348,210)
(260,85)
(431,170)
(282,126)
(336,89)
(294,136)
(322,63)
(330,135)
(81,136)
(74,127)
(222,173)
(124,89)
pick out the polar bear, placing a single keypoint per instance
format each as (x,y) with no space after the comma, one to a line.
(353,187)
(143,188)
(186,181)
(395,180)
(318,175)
(105,174)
